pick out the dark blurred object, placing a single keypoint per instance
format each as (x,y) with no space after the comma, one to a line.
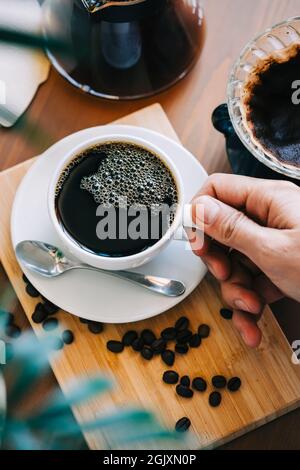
(241,160)
(127,49)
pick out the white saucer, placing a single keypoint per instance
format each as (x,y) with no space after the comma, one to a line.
(93,295)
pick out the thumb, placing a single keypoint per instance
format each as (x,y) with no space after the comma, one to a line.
(227,225)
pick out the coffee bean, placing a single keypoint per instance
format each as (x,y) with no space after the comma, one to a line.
(115,346)
(95,327)
(58,344)
(147,353)
(181,348)
(12,331)
(67,336)
(219,381)
(183,391)
(138,344)
(7,316)
(148,337)
(50,308)
(83,320)
(50,324)
(234,384)
(182,424)
(204,331)
(159,345)
(195,341)
(182,323)
(168,357)
(169,334)
(185,381)
(226,313)
(215,399)
(25,279)
(129,337)
(183,336)
(32,291)
(39,314)
(170,377)
(199,384)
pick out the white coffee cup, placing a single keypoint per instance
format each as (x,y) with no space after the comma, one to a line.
(70,246)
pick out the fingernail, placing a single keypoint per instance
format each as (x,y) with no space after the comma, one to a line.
(241,305)
(207,209)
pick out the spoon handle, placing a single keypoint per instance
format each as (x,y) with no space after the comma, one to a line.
(160,285)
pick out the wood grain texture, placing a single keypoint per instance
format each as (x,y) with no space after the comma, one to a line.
(271,384)
(59,110)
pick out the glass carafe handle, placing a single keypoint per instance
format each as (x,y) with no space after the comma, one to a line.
(95,5)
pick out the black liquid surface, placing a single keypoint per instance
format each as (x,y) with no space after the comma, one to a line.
(76,207)
(272,114)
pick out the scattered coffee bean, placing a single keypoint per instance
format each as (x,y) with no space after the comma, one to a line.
(12,331)
(50,324)
(204,331)
(182,424)
(129,337)
(138,344)
(8,317)
(58,344)
(83,320)
(147,353)
(183,391)
(50,308)
(195,341)
(158,346)
(32,291)
(226,313)
(170,377)
(25,279)
(148,337)
(168,357)
(39,314)
(169,334)
(182,323)
(183,336)
(95,327)
(219,381)
(115,346)
(199,384)
(181,348)
(215,399)
(67,336)
(185,381)
(234,384)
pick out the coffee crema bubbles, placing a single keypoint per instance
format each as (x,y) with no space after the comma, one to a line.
(122,176)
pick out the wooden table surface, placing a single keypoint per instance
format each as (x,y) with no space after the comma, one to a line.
(60,110)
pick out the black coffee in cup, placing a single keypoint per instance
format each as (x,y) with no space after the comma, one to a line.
(116,199)
(271,107)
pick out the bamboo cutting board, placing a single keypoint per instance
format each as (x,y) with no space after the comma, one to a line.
(271,383)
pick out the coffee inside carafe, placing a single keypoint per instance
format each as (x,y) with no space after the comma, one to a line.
(125,49)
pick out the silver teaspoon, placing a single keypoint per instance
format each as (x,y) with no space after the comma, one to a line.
(49,261)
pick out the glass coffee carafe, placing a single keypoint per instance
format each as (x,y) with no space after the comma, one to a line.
(124,49)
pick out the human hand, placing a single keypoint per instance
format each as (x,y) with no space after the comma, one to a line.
(251,245)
